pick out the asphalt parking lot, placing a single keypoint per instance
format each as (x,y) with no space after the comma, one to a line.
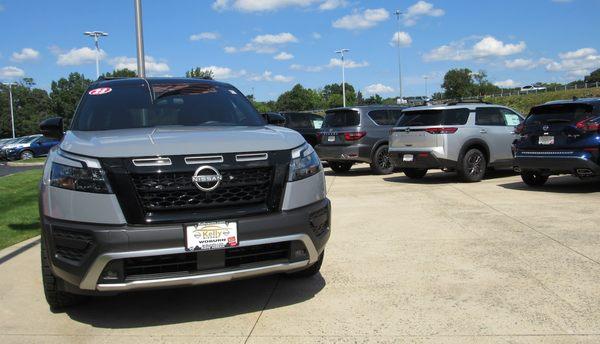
(433,261)
(6,170)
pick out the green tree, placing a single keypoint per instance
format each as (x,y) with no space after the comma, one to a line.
(120,73)
(593,77)
(31,106)
(299,99)
(458,83)
(66,93)
(374,100)
(200,73)
(332,95)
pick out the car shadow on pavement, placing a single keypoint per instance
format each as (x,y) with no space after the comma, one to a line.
(445,177)
(562,184)
(181,305)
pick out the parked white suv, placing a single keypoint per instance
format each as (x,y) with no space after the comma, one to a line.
(464,137)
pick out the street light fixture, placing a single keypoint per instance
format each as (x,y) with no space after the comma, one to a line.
(12,114)
(398,13)
(341,52)
(96,35)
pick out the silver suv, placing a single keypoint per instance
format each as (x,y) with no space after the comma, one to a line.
(165,182)
(464,137)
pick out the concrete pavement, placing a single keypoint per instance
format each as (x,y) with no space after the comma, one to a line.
(433,261)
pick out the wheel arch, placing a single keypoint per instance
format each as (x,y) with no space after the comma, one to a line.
(475,143)
(376,146)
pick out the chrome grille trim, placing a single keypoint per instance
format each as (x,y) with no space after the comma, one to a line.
(251,157)
(152,162)
(197,160)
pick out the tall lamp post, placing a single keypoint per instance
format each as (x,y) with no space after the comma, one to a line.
(96,35)
(139,30)
(426,86)
(341,52)
(398,13)
(10,97)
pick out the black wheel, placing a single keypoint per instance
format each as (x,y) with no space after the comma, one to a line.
(56,298)
(26,155)
(382,164)
(533,178)
(340,167)
(311,270)
(472,166)
(415,173)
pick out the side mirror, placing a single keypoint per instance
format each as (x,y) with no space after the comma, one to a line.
(52,128)
(275,119)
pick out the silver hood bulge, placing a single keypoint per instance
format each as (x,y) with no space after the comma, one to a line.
(160,141)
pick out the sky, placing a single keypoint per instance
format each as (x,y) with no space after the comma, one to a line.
(264,47)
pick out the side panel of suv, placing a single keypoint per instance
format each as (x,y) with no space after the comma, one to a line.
(560,138)
(355,135)
(175,182)
(467,138)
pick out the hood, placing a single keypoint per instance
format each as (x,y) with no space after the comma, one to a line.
(16,145)
(163,141)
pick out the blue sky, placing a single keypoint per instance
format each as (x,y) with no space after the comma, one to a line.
(270,45)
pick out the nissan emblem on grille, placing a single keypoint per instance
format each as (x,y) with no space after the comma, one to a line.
(207,178)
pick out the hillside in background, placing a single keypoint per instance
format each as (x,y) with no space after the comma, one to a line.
(523,103)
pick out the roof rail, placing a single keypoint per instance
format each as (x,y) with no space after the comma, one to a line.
(105,78)
(467,101)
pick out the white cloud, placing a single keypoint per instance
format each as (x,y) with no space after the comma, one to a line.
(265,44)
(204,36)
(25,54)
(153,67)
(509,83)
(403,37)
(332,4)
(268,76)
(283,56)
(486,47)
(79,56)
(223,73)
(11,72)
(576,63)
(378,89)
(316,35)
(362,20)
(333,63)
(421,9)
(520,64)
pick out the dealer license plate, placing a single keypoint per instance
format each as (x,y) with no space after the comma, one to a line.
(210,236)
(408,158)
(330,138)
(546,140)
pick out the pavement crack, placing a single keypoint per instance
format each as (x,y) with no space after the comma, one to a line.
(263,308)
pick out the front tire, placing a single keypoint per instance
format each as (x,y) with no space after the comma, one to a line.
(472,166)
(534,178)
(311,270)
(26,155)
(415,173)
(382,164)
(340,167)
(56,298)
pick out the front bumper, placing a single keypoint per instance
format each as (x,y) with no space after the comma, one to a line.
(355,153)
(557,162)
(82,254)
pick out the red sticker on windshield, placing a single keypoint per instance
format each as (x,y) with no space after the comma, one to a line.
(100,91)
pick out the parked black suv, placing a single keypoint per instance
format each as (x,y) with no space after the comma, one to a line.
(306,123)
(560,137)
(358,134)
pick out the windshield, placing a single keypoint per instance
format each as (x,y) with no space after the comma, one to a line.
(433,117)
(343,118)
(182,104)
(559,113)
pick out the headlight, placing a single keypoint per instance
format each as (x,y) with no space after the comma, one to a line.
(79,179)
(305,163)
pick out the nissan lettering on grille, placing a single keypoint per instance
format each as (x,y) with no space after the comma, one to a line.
(207,178)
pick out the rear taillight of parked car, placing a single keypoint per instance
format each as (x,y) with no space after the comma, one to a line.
(588,125)
(520,129)
(447,130)
(354,136)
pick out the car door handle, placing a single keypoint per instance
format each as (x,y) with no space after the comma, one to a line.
(483,131)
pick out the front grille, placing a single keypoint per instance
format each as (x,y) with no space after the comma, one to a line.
(191,263)
(71,245)
(176,191)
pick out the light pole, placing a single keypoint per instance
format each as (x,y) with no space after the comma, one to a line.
(426,88)
(341,52)
(96,35)
(139,30)
(398,13)
(12,114)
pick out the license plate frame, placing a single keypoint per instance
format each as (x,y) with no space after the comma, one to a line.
(331,138)
(546,140)
(208,236)
(408,158)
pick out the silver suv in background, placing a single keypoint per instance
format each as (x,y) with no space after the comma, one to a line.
(464,137)
(357,135)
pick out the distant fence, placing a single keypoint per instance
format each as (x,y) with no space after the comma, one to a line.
(577,86)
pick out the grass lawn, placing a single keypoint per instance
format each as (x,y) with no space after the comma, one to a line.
(19,218)
(29,161)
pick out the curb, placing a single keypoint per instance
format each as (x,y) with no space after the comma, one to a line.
(24,164)
(18,248)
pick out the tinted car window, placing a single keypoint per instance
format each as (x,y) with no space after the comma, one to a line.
(342,118)
(434,117)
(559,113)
(489,116)
(383,117)
(194,104)
(300,120)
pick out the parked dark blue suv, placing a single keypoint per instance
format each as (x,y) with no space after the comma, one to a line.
(559,137)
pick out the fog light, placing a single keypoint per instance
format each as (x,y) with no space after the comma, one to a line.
(111,275)
(300,253)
